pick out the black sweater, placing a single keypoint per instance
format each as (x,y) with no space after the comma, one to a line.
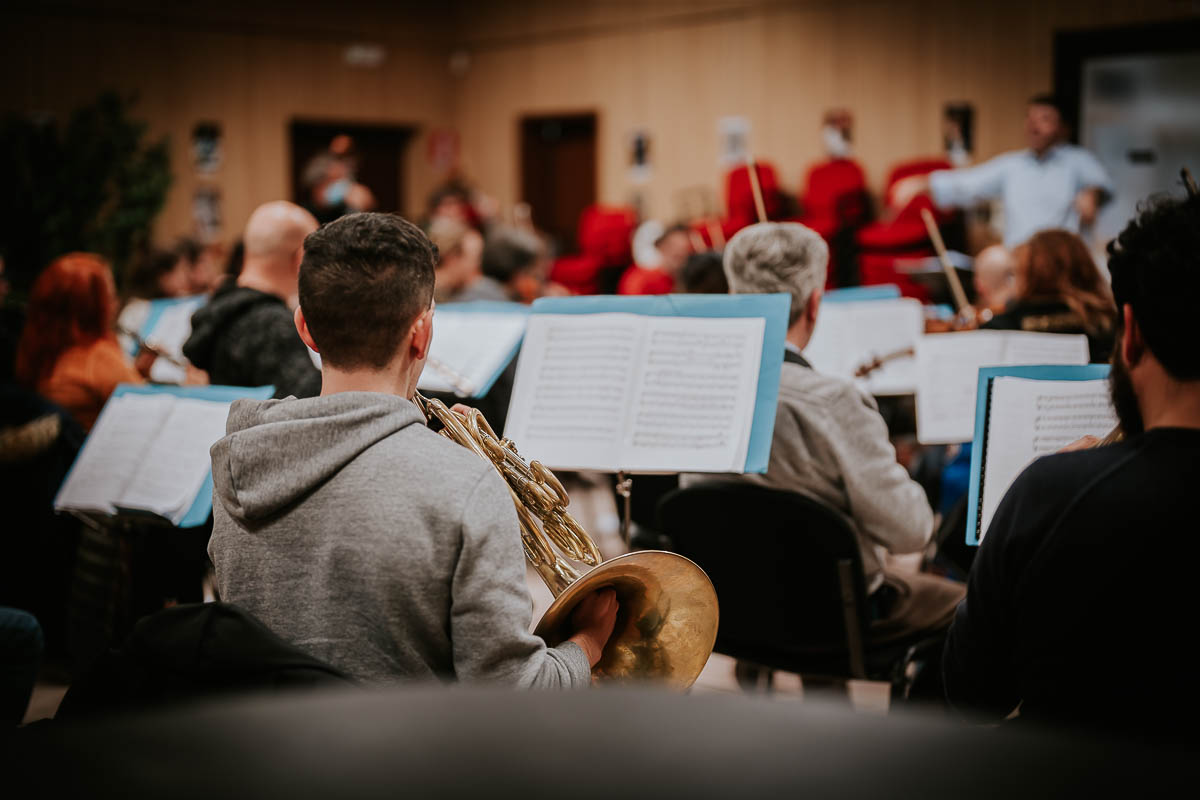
(1079,600)
(244,337)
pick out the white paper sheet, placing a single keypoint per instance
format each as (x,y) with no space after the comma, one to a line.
(168,336)
(474,345)
(849,335)
(692,404)
(948,373)
(176,461)
(112,451)
(631,392)
(1031,418)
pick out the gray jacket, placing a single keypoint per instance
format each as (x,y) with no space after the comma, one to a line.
(830,444)
(362,537)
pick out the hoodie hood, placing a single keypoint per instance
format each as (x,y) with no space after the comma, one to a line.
(275,452)
(212,320)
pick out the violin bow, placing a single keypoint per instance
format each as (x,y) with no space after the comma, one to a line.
(956,287)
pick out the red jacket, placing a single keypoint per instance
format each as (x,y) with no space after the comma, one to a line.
(639,280)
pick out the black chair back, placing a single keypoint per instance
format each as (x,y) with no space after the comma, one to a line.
(787,569)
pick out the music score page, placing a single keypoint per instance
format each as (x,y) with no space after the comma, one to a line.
(616,391)
(475,345)
(148,452)
(1032,418)
(168,336)
(849,335)
(948,365)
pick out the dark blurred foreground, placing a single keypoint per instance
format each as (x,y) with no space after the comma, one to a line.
(609,743)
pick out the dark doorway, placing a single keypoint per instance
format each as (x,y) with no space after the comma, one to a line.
(379,154)
(558,172)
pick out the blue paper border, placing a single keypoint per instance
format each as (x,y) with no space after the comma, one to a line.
(493,307)
(1079,372)
(202,506)
(773,308)
(859,294)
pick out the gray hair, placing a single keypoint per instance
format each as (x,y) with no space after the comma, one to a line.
(777,257)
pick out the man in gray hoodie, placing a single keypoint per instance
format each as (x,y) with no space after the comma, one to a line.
(351,529)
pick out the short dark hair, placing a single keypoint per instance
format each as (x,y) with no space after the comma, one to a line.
(704,273)
(188,249)
(508,251)
(1155,267)
(363,280)
(147,271)
(1047,99)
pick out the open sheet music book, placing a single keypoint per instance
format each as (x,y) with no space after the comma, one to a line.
(472,344)
(1024,413)
(948,367)
(148,453)
(850,334)
(650,392)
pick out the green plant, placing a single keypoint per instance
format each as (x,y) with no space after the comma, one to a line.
(92,184)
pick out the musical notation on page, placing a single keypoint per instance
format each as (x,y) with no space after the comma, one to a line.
(1032,418)
(625,391)
(948,373)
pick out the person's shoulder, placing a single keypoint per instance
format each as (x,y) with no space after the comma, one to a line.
(1005,158)
(1075,151)
(819,391)
(105,354)
(445,464)
(1064,476)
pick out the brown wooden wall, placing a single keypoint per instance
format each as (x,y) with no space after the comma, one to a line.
(670,67)
(675,68)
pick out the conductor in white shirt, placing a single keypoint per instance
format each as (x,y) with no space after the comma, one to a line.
(830,443)
(1050,184)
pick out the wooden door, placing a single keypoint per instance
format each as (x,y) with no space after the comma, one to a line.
(558,172)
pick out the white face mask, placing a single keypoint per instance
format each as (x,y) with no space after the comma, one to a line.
(957,155)
(836,144)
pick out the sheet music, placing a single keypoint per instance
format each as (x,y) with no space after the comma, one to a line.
(176,462)
(1031,418)
(693,397)
(112,451)
(625,391)
(571,388)
(173,328)
(475,345)
(849,335)
(948,366)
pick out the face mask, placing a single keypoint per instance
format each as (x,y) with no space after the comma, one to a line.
(957,155)
(336,192)
(835,142)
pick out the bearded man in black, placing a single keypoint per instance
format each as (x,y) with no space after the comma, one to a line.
(1079,603)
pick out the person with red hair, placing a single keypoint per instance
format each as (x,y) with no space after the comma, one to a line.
(68,352)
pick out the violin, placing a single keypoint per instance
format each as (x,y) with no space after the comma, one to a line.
(875,363)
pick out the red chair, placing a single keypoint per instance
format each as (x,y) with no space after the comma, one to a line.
(835,197)
(835,202)
(604,251)
(739,197)
(904,235)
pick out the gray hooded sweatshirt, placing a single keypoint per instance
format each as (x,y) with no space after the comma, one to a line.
(361,536)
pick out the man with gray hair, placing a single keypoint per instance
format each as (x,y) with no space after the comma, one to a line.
(831,444)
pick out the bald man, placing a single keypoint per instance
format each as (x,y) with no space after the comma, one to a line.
(245,335)
(995,278)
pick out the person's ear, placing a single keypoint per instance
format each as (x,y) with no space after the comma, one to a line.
(813,305)
(302,329)
(1133,346)
(421,334)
